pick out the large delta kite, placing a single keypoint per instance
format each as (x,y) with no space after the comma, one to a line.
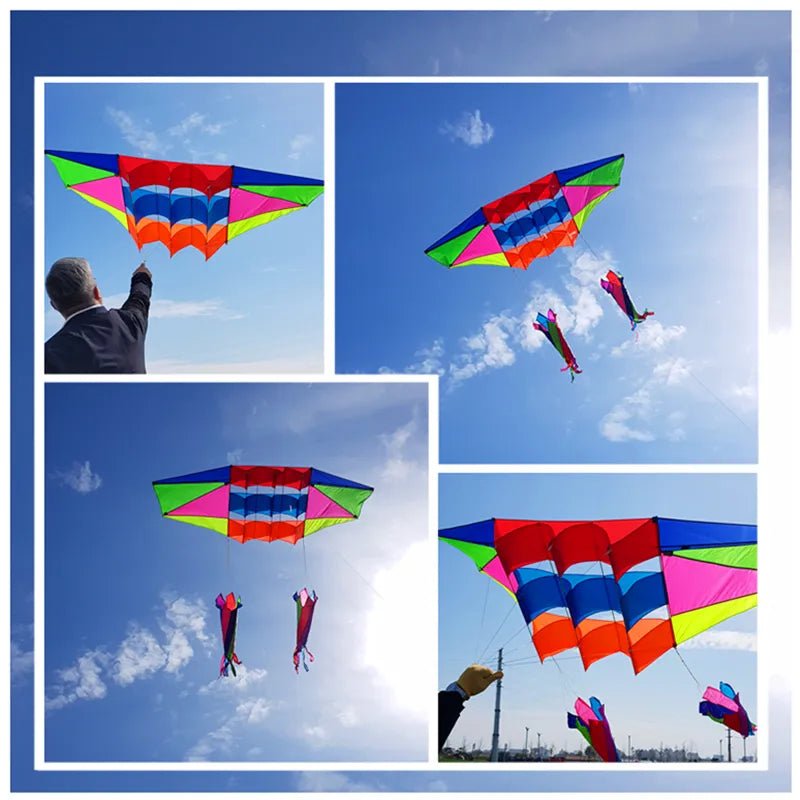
(532,221)
(651,583)
(179,204)
(258,502)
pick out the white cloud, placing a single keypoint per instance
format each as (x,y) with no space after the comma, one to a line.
(333,782)
(21,663)
(489,348)
(187,615)
(314,734)
(469,128)
(303,363)
(428,360)
(138,135)
(633,417)
(180,309)
(196,122)
(246,678)
(81,478)
(299,144)
(398,465)
(722,640)
(495,343)
(254,711)
(82,681)
(635,88)
(650,336)
(235,456)
(672,371)
(616,425)
(139,655)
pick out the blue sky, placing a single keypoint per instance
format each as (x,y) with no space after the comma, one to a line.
(681,229)
(263,287)
(132,635)
(539,695)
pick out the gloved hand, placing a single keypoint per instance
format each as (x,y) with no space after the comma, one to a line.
(475,678)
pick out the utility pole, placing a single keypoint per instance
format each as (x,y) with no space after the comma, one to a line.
(720,749)
(629,747)
(729,746)
(538,746)
(496,732)
(525,749)
(744,745)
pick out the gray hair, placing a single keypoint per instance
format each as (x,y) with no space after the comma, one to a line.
(70,284)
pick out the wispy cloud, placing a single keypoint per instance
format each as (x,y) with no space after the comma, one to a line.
(140,654)
(398,464)
(138,134)
(632,419)
(235,456)
(500,337)
(469,129)
(81,478)
(21,663)
(196,122)
(298,144)
(334,782)
(722,640)
(652,336)
(181,309)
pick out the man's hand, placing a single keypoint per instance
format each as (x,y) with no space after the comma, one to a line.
(475,678)
(142,269)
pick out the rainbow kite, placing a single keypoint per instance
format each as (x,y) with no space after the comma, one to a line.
(264,503)
(531,222)
(182,205)
(635,586)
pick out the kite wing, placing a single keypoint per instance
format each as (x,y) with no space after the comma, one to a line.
(265,503)
(305,614)
(723,706)
(228,612)
(531,222)
(652,584)
(614,284)
(549,327)
(590,720)
(180,204)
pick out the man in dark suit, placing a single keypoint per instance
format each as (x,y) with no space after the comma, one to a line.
(94,338)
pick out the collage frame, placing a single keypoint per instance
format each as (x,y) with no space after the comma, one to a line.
(773,484)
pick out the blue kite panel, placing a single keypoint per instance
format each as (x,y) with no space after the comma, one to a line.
(642,592)
(681,534)
(475,533)
(244,176)
(110,163)
(221,475)
(591,594)
(539,591)
(326,479)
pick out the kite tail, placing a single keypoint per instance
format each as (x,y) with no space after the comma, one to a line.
(300,653)
(227,664)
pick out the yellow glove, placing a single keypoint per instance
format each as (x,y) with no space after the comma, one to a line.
(475,678)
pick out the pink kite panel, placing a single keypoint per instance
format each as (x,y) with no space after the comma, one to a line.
(694,584)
